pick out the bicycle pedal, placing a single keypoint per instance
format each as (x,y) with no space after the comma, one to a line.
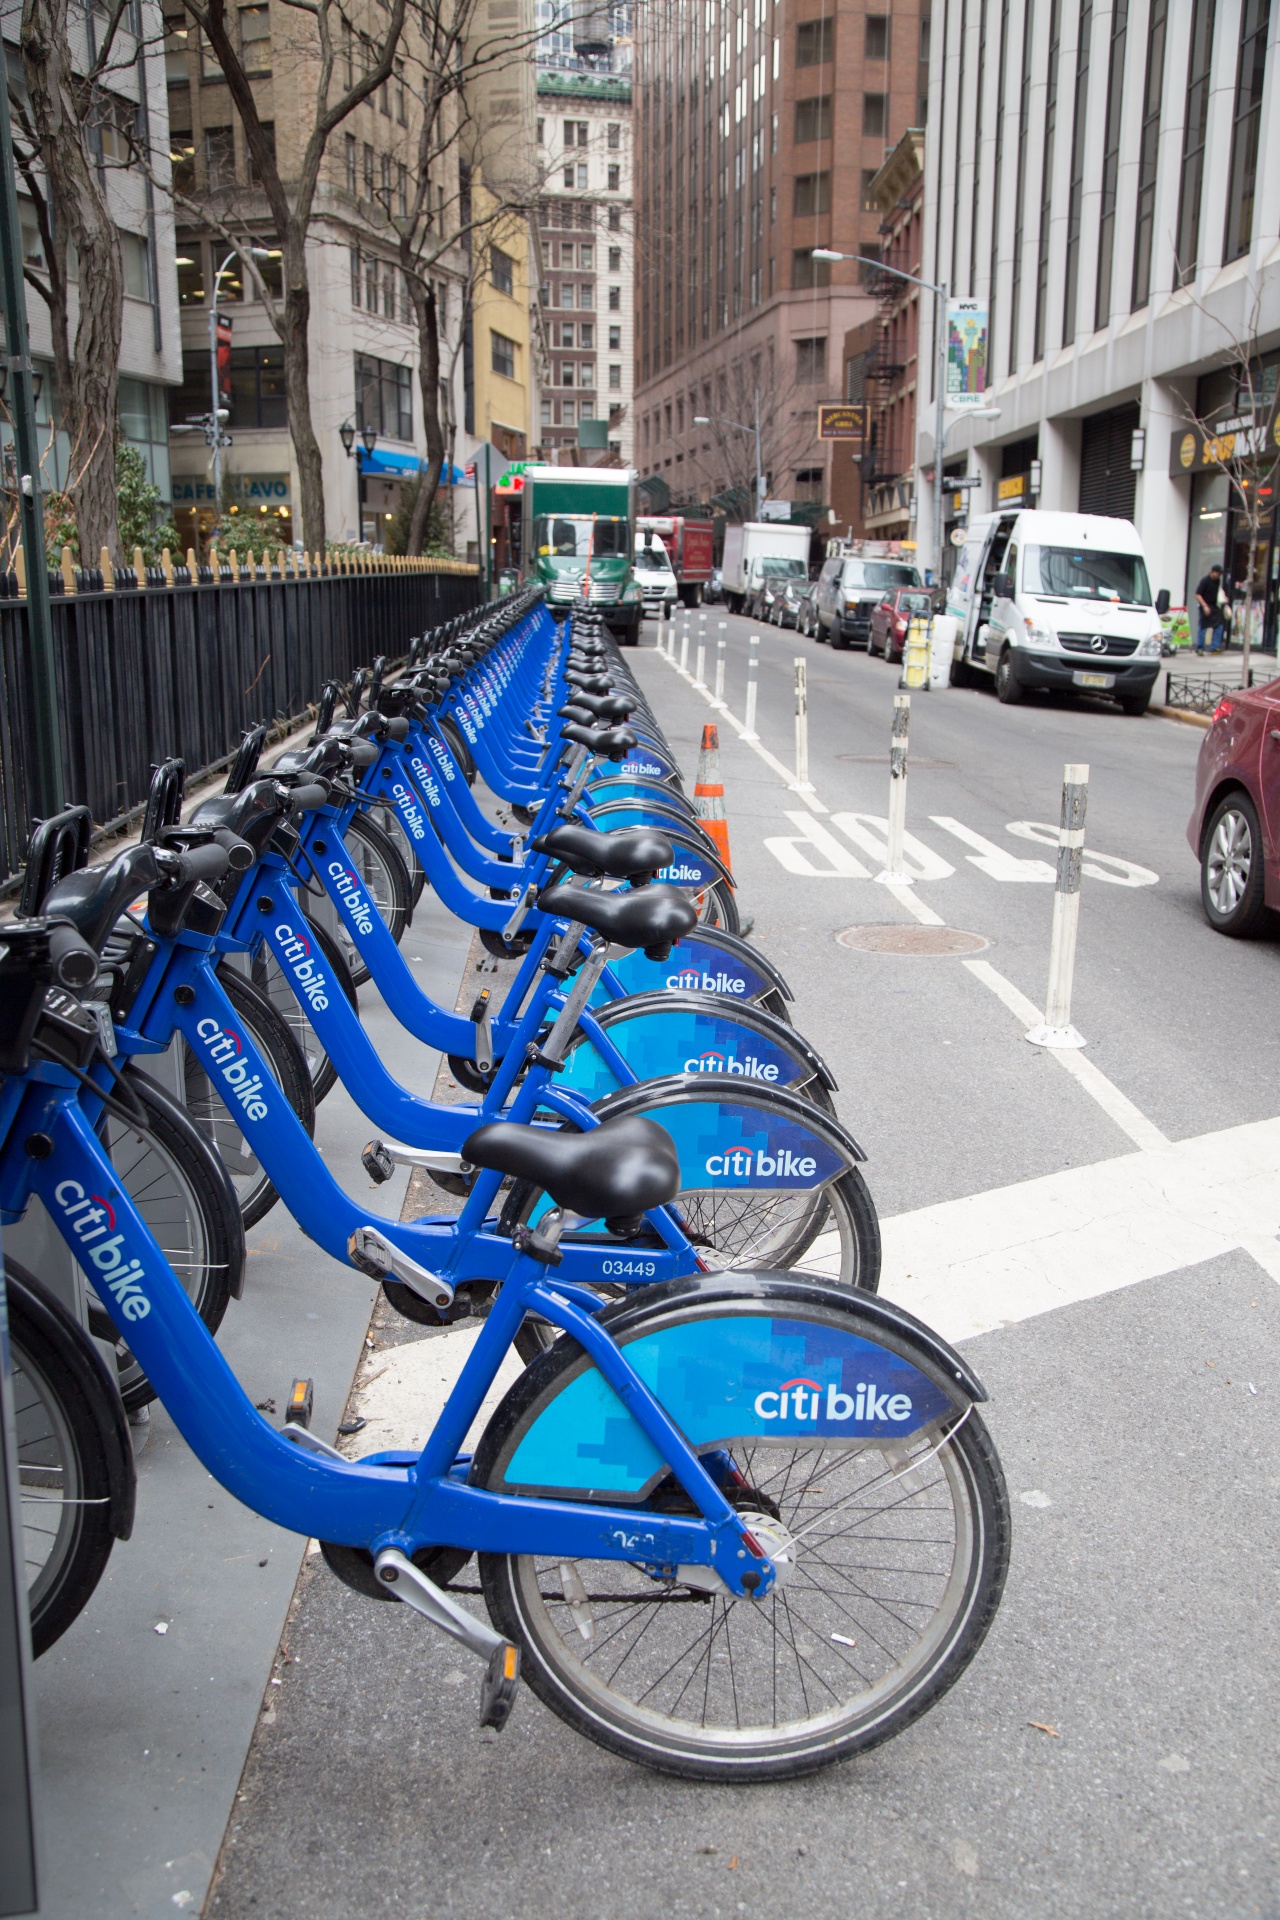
(500,1686)
(377,1162)
(301,1398)
(371,1254)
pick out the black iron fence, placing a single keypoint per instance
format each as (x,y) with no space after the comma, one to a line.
(183,666)
(1198,693)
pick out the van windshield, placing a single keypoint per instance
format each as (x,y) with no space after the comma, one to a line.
(1065,572)
(884,574)
(569,538)
(784,570)
(652,559)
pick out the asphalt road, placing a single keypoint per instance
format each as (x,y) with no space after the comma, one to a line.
(1113,1228)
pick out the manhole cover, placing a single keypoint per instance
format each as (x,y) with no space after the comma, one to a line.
(913,940)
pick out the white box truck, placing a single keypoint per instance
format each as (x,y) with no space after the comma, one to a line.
(757,548)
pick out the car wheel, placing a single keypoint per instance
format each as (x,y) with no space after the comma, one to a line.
(1136,704)
(1231,876)
(1008,688)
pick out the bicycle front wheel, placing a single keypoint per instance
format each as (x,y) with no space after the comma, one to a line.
(895,1556)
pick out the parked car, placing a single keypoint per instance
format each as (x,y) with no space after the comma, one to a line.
(774,572)
(1234,830)
(849,586)
(713,592)
(778,600)
(887,632)
(807,612)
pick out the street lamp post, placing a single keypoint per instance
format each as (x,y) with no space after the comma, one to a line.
(705,420)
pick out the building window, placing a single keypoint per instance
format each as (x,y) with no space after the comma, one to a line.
(586,334)
(568,178)
(257,387)
(811,362)
(349,155)
(809,483)
(384,398)
(566,333)
(402,190)
(615,259)
(615,339)
(371,283)
(255,39)
(812,194)
(615,379)
(582,176)
(355,276)
(1251,68)
(615,299)
(1075,191)
(501,270)
(869,203)
(615,219)
(219,158)
(615,179)
(584,256)
(1110,161)
(808,272)
(1199,59)
(209,68)
(613,136)
(190,265)
(368,171)
(872,254)
(566,373)
(875,115)
(586,295)
(402,102)
(877,36)
(1046,179)
(575,133)
(177,47)
(542,131)
(814,42)
(1148,152)
(813,120)
(503,354)
(568,413)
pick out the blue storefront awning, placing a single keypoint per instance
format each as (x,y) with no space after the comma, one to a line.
(399,466)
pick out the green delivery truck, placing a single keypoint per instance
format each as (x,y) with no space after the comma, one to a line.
(579,538)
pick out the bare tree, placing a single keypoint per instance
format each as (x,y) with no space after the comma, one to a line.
(737,388)
(291,207)
(57,125)
(1242,441)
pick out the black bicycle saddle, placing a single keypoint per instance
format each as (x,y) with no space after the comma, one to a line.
(623,855)
(613,742)
(651,917)
(617,1171)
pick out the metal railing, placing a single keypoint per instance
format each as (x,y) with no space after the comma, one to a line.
(153,662)
(1197,693)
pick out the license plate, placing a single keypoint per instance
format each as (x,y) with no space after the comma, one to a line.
(1093,679)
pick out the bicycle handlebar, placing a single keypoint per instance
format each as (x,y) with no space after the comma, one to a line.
(305,799)
(75,964)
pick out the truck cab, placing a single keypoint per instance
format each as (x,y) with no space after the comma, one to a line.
(1056,602)
(579,540)
(655,576)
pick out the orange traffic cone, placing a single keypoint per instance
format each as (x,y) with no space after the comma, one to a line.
(708,794)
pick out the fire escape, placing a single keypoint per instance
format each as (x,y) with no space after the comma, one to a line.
(884,465)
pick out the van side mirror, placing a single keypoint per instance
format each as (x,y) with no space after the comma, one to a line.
(1162,602)
(1002,587)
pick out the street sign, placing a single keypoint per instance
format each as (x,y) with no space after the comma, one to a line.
(841,423)
(958,536)
(965,480)
(775,509)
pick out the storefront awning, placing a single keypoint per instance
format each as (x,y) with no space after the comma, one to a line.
(401,466)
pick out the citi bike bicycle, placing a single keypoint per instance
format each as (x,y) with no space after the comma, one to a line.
(734,1527)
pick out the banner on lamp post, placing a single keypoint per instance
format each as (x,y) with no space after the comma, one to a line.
(966,353)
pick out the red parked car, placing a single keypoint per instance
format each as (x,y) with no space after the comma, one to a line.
(1234,830)
(887,633)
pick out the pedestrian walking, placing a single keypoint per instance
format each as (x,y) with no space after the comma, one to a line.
(1208,597)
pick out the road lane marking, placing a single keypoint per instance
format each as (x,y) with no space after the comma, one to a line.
(991,859)
(1097,866)
(870,831)
(969,1266)
(1116,1105)
(793,852)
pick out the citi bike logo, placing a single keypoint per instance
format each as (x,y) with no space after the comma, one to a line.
(358,908)
(428,779)
(801,1399)
(644,766)
(99,1246)
(438,753)
(224,1048)
(692,979)
(712,1062)
(682,871)
(409,810)
(295,951)
(741,1163)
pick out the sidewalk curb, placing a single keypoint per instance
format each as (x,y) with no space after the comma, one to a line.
(1186,719)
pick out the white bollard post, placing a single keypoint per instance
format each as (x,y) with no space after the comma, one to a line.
(698,680)
(684,649)
(802,782)
(720,647)
(1057,1030)
(753,663)
(895,874)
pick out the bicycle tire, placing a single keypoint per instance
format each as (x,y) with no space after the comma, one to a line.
(271,982)
(386,881)
(275,1041)
(854,1644)
(67,1423)
(184,1194)
(718,907)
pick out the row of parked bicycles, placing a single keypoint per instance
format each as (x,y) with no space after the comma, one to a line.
(736,1518)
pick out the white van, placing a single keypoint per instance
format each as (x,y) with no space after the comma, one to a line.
(1052,601)
(655,576)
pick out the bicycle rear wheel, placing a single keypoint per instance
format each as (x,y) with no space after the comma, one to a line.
(67,1430)
(898,1549)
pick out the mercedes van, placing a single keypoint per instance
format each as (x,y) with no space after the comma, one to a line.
(1052,602)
